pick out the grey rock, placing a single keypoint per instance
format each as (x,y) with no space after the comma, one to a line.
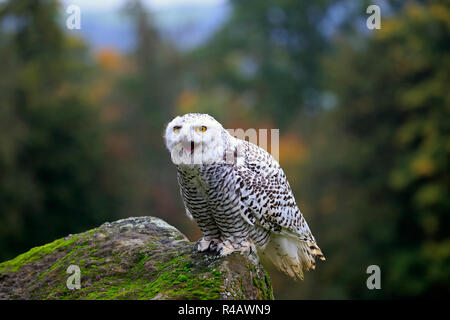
(133,258)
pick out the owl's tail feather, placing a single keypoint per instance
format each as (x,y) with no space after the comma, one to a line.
(292,255)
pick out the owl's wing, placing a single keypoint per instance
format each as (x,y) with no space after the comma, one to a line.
(266,197)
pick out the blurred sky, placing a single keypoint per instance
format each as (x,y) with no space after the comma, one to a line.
(186,23)
(152,4)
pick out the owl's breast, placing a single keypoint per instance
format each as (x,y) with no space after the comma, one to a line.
(211,185)
(193,179)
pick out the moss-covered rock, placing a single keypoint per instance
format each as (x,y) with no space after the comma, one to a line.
(134,258)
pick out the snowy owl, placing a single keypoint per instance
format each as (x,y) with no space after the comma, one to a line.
(238,195)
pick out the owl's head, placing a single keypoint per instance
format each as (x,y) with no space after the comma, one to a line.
(195,138)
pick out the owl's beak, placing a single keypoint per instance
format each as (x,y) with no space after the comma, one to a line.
(192,147)
(189,147)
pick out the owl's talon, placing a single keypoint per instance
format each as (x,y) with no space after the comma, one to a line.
(212,246)
(224,250)
(203,245)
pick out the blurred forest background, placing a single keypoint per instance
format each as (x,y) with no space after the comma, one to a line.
(363,118)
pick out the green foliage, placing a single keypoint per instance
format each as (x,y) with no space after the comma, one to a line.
(267,55)
(52,156)
(385,180)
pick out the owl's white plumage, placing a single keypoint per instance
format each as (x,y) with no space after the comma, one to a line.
(238,195)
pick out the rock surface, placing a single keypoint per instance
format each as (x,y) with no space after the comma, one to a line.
(133,258)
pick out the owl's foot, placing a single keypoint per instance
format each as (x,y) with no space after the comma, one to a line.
(203,245)
(225,248)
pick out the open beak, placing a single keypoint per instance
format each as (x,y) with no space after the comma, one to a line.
(192,147)
(189,147)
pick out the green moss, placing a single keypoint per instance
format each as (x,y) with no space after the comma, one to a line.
(173,277)
(216,273)
(35,254)
(241,290)
(265,286)
(182,278)
(176,277)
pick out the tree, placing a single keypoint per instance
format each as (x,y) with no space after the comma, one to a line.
(379,169)
(267,55)
(52,160)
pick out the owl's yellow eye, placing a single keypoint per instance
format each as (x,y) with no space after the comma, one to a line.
(201,129)
(176,129)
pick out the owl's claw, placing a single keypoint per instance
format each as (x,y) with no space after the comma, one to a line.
(203,245)
(248,249)
(212,246)
(224,250)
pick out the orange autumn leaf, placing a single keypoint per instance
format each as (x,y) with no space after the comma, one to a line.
(109,59)
(292,149)
(186,101)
